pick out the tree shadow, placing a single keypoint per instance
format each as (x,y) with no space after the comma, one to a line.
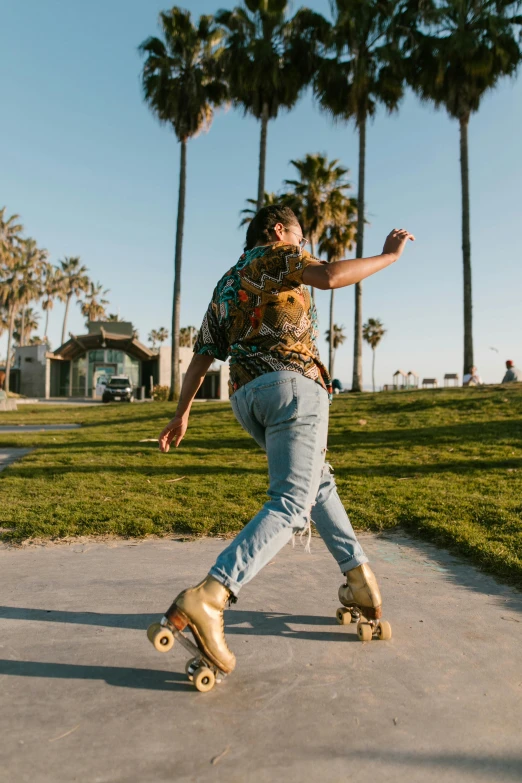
(133,447)
(456,568)
(507,766)
(473,432)
(32,472)
(401,470)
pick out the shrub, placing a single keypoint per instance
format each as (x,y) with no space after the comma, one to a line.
(160,393)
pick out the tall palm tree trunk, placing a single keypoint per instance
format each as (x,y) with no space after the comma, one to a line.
(466,246)
(64,327)
(22,328)
(330,346)
(262,157)
(46,323)
(373,369)
(357,338)
(9,348)
(312,251)
(176,302)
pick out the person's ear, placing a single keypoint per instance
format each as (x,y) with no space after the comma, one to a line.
(278,230)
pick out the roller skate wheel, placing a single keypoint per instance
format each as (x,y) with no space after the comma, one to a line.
(161,638)
(151,630)
(364,632)
(343,616)
(384,631)
(190,668)
(204,679)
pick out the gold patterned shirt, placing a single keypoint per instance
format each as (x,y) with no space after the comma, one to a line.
(262,316)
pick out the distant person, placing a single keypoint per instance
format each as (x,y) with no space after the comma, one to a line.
(337,386)
(512,374)
(262,316)
(101,385)
(472,378)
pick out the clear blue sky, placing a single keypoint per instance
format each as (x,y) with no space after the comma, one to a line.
(93,174)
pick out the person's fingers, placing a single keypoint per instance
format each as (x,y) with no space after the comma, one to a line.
(164,444)
(165,438)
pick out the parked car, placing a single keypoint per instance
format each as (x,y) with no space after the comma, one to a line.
(119,389)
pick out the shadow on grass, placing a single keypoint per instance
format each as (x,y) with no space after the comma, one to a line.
(147,471)
(161,417)
(501,432)
(462,467)
(474,433)
(134,446)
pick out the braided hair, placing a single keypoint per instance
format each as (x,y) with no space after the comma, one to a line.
(261,226)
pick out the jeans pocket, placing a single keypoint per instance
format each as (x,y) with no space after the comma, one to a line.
(276,403)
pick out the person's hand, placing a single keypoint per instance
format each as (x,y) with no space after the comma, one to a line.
(396,242)
(174,431)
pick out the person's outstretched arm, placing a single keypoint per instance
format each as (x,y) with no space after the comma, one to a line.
(177,427)
(353,270)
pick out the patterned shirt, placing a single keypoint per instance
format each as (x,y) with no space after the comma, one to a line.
(262,316)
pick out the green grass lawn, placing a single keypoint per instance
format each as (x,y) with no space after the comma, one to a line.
(444,465)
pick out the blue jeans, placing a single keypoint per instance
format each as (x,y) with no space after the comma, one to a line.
(287,414)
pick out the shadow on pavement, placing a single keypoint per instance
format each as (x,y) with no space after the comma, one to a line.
(237,622)
(394,547)
(147,679)
(485,767)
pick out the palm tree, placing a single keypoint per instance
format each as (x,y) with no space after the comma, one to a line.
(93,306)
(50,287)
(373,332)
(10,231)
(459,51)
(337,239)
(182,84)
(335,337)
(17,288)
(10,256)
(34,260)
(9,300)
(74,282)
(26,323)
(359,68)
(159,336)
(188,336)
(269,200)
(267,62)
(114,317)
(317,195)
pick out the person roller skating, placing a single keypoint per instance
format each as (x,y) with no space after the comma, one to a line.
(262,316)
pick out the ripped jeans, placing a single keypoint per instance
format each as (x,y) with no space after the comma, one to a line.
(287,414)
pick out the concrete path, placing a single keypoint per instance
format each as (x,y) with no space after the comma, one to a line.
(61,401)
(84,696)
(9,455)
(22,428)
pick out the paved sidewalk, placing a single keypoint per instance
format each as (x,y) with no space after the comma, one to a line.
(85,697)
(20,429)
(9,455)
